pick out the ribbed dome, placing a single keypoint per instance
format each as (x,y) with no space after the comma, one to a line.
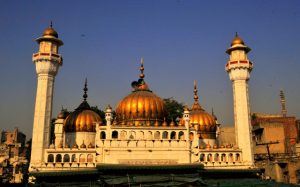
(83,119)
(141,107)
(237,40)
(50,32)
(205,121)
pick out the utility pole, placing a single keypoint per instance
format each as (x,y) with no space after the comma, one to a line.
(268,147)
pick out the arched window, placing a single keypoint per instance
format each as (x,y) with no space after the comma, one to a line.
(73,158)
(216,157)
(209,158)
(230,157)
(223,157)
(140,135)
(115,134)
(66,158)
(157,135)
(102,135)
(237,157)
(89,158)
(50,158)
(58,158)
(191,136)
(181,135)
(165,135)
(173,135)
(81,158)
(202,157)
(149,135)
(132,135)
(123,135)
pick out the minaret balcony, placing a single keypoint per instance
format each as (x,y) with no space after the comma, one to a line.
(239,64)
(47,56)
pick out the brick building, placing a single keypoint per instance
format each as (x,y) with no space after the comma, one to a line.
(13,156)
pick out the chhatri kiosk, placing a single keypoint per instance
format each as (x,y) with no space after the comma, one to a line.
(134,144)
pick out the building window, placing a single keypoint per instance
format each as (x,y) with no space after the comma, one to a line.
(181,135)
(165,135)
(115,135)
(102,135)
(73,158)
(202,157)
(66,158)
(89,158)
(191,136)
(58,158)
(157,135)
(216,157)
(209,158)
(230,157)
(81,158)
(173,135)
(50,158)
(223,157)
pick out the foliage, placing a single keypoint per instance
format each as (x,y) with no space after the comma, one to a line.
(174,109)
(98,111)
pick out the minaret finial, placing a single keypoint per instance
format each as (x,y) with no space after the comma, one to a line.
(282,101)
(195,91)
(142,68)
(85,89)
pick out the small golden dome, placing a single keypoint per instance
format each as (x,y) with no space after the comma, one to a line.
(237,40)
(62,114)
(50,32)
(198,116)
(83,119)
(142,106)
(205,120)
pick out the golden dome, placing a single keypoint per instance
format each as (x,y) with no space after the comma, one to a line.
(237,40)
(141,107)
(205,121)
(83,119)
(50,32)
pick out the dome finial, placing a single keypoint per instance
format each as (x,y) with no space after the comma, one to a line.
(236,34)
(51,24)
(195,91)
(85,89)
(142,68)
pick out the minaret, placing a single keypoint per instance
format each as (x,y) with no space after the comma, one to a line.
(108,118)
(47,62)
(282,101)
(239,68)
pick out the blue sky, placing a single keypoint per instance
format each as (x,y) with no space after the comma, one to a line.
(181,41)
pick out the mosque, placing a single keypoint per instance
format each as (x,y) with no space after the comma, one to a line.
(135,134)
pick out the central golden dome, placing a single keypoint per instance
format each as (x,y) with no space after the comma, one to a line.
(141,107)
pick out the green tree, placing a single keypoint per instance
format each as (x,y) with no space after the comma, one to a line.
(174,109)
